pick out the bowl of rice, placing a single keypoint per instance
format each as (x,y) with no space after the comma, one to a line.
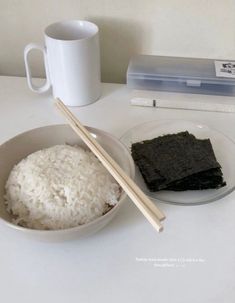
(53,188)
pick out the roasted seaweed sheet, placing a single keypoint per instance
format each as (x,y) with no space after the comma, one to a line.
(178,162)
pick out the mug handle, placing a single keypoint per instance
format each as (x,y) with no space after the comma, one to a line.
(34,88)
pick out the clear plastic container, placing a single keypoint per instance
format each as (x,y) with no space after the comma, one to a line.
(176,74)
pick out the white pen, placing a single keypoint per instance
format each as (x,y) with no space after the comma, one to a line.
(187,105)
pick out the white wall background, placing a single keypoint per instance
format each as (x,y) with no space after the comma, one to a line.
(193,28)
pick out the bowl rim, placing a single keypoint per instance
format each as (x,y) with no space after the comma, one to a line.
(123,195)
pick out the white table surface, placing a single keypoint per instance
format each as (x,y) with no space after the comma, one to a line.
(192,261)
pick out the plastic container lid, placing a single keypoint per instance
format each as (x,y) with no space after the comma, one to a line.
(177,74)
(172,68)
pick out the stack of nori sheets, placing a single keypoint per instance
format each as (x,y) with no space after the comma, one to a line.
(178,162)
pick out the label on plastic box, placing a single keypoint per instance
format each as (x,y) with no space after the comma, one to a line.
(225,69)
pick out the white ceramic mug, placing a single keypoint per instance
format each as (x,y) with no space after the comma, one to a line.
(72,62)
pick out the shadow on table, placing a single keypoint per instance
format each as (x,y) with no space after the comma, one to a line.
(128,216)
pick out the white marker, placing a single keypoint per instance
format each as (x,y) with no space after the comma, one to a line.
(187,105)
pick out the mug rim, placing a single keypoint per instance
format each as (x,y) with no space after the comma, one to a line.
(54,25)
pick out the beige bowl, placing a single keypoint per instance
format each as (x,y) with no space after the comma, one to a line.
(17,148)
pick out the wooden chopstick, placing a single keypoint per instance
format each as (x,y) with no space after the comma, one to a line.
(140,193)
(145,205)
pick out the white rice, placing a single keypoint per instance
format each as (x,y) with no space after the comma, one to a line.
(59,187)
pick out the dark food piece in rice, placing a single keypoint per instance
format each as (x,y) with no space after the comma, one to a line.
(178,162)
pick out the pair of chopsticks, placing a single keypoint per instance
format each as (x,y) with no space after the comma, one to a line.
(145,205)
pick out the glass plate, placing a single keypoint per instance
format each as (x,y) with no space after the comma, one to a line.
(224,149)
